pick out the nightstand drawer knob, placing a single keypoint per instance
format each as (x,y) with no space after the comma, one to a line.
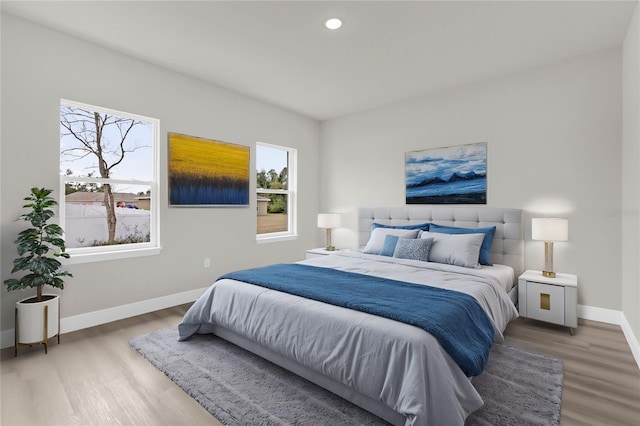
(545,301)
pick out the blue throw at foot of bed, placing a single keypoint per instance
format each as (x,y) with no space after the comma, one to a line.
(455,319)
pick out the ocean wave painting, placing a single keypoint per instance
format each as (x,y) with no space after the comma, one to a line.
(451,175)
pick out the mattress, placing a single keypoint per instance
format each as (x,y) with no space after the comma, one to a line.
(399,365)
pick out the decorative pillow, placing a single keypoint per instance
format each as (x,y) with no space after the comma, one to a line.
(455,249)
(422,226)
(376,241)
(389,245)
(417,249)
(488,232)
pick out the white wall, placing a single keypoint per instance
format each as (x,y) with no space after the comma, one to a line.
(40,66)
(554,147)
(631,175)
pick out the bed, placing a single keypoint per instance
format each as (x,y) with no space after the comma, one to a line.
(397,371)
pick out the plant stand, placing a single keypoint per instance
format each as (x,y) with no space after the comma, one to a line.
(41,308)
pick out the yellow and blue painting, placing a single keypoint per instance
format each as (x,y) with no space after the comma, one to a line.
(206,172)
(451,175)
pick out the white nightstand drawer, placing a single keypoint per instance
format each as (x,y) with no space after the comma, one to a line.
(553,300)
(545,302)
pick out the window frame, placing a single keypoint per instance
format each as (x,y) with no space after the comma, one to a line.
(117,251)
(291,192)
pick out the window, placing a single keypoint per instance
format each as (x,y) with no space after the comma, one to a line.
(275,186)
(108,175)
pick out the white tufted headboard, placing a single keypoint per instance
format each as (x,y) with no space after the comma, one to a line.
(508,243)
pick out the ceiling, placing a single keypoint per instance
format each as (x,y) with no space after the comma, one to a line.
(386,51)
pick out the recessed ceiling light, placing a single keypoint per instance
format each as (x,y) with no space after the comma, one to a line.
(333,23)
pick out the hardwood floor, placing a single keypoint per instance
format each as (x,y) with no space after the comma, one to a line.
(601,377)
(94,378)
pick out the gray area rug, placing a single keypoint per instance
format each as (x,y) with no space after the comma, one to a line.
(239,388)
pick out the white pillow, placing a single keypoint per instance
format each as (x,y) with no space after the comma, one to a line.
(376,241)
(455,249)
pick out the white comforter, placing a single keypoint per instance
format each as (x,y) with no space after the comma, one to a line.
(401,365)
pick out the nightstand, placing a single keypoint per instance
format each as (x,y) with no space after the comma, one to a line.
(553,300)
(317,252)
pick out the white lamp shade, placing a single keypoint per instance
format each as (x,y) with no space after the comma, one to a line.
(329,220)
(549,229)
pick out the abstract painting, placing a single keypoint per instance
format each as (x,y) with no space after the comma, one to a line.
(206,172)
(451,175)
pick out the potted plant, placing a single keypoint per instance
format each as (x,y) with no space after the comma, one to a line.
(38,317)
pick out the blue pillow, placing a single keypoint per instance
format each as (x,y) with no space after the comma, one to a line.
(420,226)
(488,232)
(417,249)
(389,245)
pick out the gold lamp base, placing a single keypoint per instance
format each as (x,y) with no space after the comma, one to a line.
(548,260)
(328,246)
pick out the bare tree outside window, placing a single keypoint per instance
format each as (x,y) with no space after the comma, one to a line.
(102,152)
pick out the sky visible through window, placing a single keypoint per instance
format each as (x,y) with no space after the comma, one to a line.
(136,164)
(268,158)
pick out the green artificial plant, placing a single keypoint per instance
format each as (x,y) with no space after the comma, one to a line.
(34,245)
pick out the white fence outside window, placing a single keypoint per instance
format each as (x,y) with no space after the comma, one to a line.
(86,224)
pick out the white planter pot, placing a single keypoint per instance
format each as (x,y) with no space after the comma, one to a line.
(30,320)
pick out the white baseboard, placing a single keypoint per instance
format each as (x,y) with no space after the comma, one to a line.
(593,313)
(631,339)
(91,319)
(610,316)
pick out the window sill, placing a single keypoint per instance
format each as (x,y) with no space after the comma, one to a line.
(77,258)
(276,238)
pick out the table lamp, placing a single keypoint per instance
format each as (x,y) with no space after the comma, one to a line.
(549,230)
(329,221)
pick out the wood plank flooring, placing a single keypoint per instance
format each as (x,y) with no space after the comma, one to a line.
(601,377)
(94,378)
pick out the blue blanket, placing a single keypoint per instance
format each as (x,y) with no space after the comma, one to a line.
(455,319)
